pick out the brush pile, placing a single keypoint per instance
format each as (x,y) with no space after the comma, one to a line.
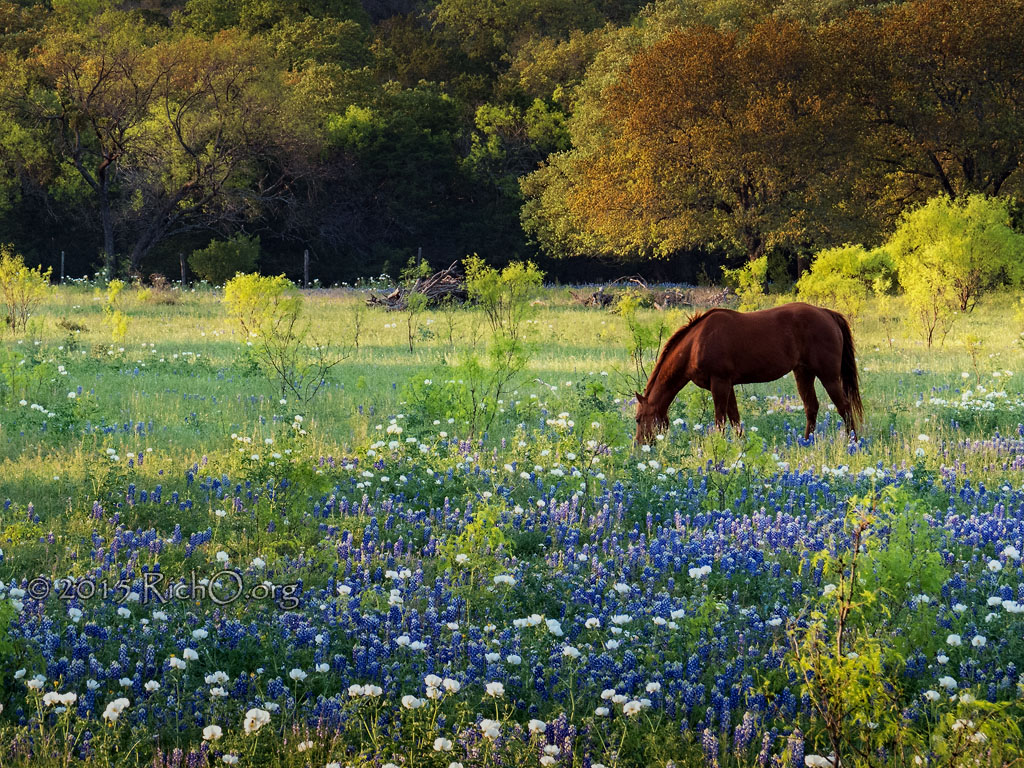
(659,297)
(446,285)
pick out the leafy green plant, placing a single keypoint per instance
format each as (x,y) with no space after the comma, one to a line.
(737,463)
(844,277)
(22,376)
(976,732)
(698,406)
(850,649)
(449,311)
(432,399)
(503,295)
(948,253)
(482,537)
(7,616)
(505,298)
(259,303)
(414,269)
(223,259)
(21,288)
(114,313)
(484,383)
(840,668)
(644,338)
(269,311)
(415,304)
(749,282)
(358,316)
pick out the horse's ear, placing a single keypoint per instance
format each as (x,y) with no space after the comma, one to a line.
(640,398)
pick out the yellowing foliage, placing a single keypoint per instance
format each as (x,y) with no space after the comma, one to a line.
(947,253)
(21,288)
(843,278)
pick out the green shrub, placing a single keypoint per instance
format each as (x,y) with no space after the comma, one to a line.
(223,259)
(645,338)
(113,310)
(261,304)
(21,288)
(21,376)
(948,253)
(844,277)
(413,271)
(849,649)
(504,295)
(749,282)
(269,310)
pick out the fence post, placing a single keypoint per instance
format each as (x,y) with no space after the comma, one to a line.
(62,266)
(305,268)
(181,260)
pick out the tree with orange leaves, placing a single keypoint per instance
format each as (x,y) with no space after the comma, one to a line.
(713,139)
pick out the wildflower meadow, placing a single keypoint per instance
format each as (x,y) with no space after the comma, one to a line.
(426,538)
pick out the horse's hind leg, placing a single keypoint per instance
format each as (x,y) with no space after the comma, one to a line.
(834,387)
(725,398)
(734,411)
(805,388)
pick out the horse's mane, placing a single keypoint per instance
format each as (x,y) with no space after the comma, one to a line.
(674,341)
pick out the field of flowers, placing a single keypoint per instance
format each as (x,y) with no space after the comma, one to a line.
(197,570)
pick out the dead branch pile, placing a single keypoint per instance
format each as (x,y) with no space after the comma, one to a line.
(694,296)
(448,284)
(608,295)
(660,298)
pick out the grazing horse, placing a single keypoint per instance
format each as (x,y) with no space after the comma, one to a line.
(720,348)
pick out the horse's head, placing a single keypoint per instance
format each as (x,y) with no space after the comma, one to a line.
(649,421)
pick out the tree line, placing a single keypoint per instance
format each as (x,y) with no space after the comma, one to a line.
(682,135)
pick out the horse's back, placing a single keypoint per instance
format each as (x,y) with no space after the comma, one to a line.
(795,317)
(765,345)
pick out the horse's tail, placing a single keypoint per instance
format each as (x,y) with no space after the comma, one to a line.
(848,373)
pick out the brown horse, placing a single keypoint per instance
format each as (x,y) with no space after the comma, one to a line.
(721,348)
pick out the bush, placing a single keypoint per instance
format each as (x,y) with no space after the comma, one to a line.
(260,304)
(948,253)
(113,310)
(645,339)
(749,282)
(504,295)
(844,277)
(21,287)
(269,309)
(223,259)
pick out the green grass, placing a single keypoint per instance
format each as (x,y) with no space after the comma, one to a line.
(180,373)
